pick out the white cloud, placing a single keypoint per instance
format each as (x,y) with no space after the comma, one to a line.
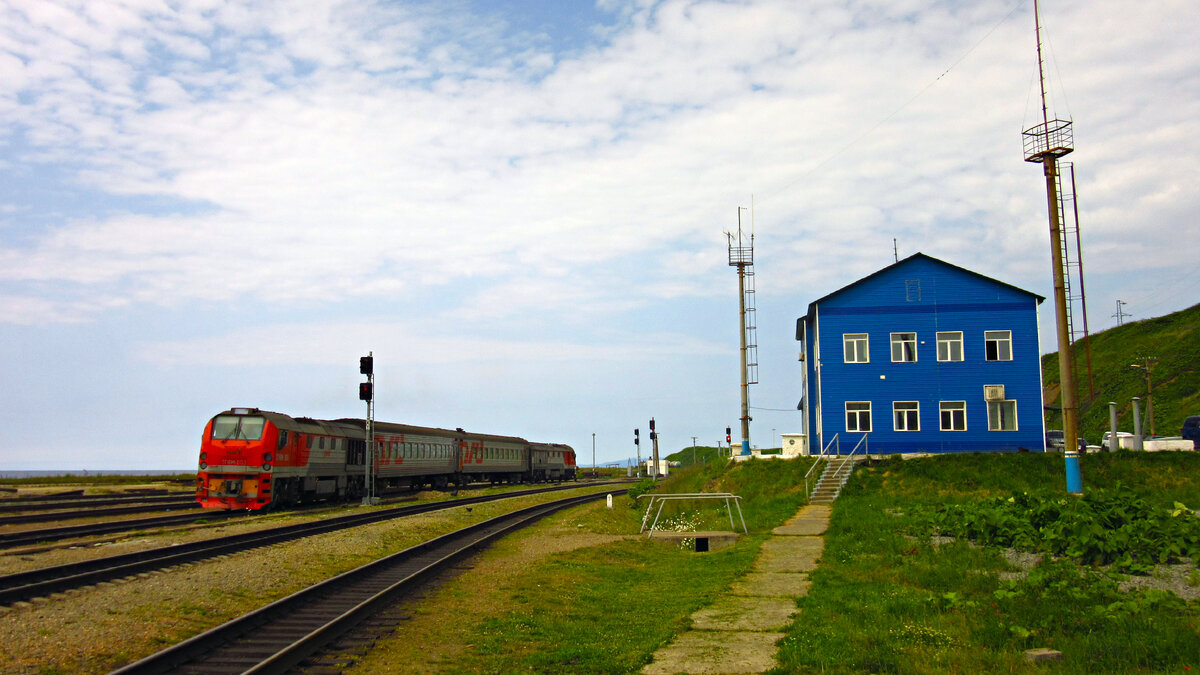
(356,149)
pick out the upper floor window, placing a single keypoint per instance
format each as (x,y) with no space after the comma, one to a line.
(858,416)
(904,347)
(854,345)
(912,290)
(906,416)
(953,415)
(998,345)
(950,346)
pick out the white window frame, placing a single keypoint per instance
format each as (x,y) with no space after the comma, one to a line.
(903,412)
(950,338)
(858,417)
(998,341)
(898,340)
(993,422)
(951,407)
(855,339)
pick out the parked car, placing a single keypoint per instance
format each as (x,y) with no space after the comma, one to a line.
(1120,435)
(1056,441)
(1191,430)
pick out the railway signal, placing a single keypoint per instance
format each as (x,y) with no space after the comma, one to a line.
(654,439)
(728,435)
(366,392)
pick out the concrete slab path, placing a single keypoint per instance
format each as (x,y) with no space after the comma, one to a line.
(737,633)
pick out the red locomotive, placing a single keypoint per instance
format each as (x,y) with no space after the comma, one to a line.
(254,459)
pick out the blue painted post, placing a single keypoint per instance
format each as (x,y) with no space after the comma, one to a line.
(1074,481)
(745,446)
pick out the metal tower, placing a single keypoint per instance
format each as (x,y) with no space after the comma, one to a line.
(742,257)
(1044,144)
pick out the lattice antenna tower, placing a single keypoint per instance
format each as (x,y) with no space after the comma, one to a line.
(1045,144)
(741,256)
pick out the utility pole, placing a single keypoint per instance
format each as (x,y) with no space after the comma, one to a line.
(1146,364)
(1120,315)
(594,472)
(693,450)
(1045,144)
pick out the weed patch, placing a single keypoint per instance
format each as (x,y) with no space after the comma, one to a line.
(891,596)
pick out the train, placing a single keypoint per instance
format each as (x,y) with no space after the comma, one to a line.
(256,459)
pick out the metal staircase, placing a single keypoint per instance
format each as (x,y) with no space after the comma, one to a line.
(833,478)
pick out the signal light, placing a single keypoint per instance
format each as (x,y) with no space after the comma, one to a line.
(366,364)
(728,435)
(364,391)
(651,424)
(637,436)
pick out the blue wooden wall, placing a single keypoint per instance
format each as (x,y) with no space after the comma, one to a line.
(924,295)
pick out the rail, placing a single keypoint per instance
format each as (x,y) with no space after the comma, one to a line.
(664,498)
(279,636)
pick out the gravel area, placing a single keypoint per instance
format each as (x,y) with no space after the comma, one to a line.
(96,629)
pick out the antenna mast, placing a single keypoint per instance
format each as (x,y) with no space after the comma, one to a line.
(742,257)
(1045,144)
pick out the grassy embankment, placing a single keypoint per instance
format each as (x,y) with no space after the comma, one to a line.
(891,597)
(596,609)
(1174,340)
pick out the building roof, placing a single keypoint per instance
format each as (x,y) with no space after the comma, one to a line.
(909,260)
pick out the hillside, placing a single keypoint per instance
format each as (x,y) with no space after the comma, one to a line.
(1173,339)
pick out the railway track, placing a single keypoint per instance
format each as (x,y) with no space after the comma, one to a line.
(74,501)
(173,504)
(281,635)
(42,582)
(46,535)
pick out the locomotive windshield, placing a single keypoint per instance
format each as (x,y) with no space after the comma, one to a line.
(237,428)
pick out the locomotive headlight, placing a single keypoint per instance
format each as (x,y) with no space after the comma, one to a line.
(268,457)
(266,467)
(203,456)
(203,465)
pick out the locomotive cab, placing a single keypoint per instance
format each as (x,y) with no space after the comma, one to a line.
(236,460)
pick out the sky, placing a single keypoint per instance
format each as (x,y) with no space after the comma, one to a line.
(520,207)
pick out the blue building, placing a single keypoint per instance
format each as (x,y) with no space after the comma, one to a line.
(923,356)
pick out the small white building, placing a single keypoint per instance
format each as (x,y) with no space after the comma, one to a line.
(794,445)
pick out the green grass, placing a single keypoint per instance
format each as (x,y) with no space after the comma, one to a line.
(606,609)
(1173,339)
(888,597)
(602,609)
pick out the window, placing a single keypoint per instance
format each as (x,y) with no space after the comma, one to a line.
(858,416)
(1002,415)
(912,290)
(998,345)
(906,416)
(953,415)
(855,347)
(950,346)
(904,347)
(237,428)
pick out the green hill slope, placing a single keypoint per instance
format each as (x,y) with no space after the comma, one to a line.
(1174,340)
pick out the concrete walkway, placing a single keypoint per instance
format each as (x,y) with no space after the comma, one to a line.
(737,633)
